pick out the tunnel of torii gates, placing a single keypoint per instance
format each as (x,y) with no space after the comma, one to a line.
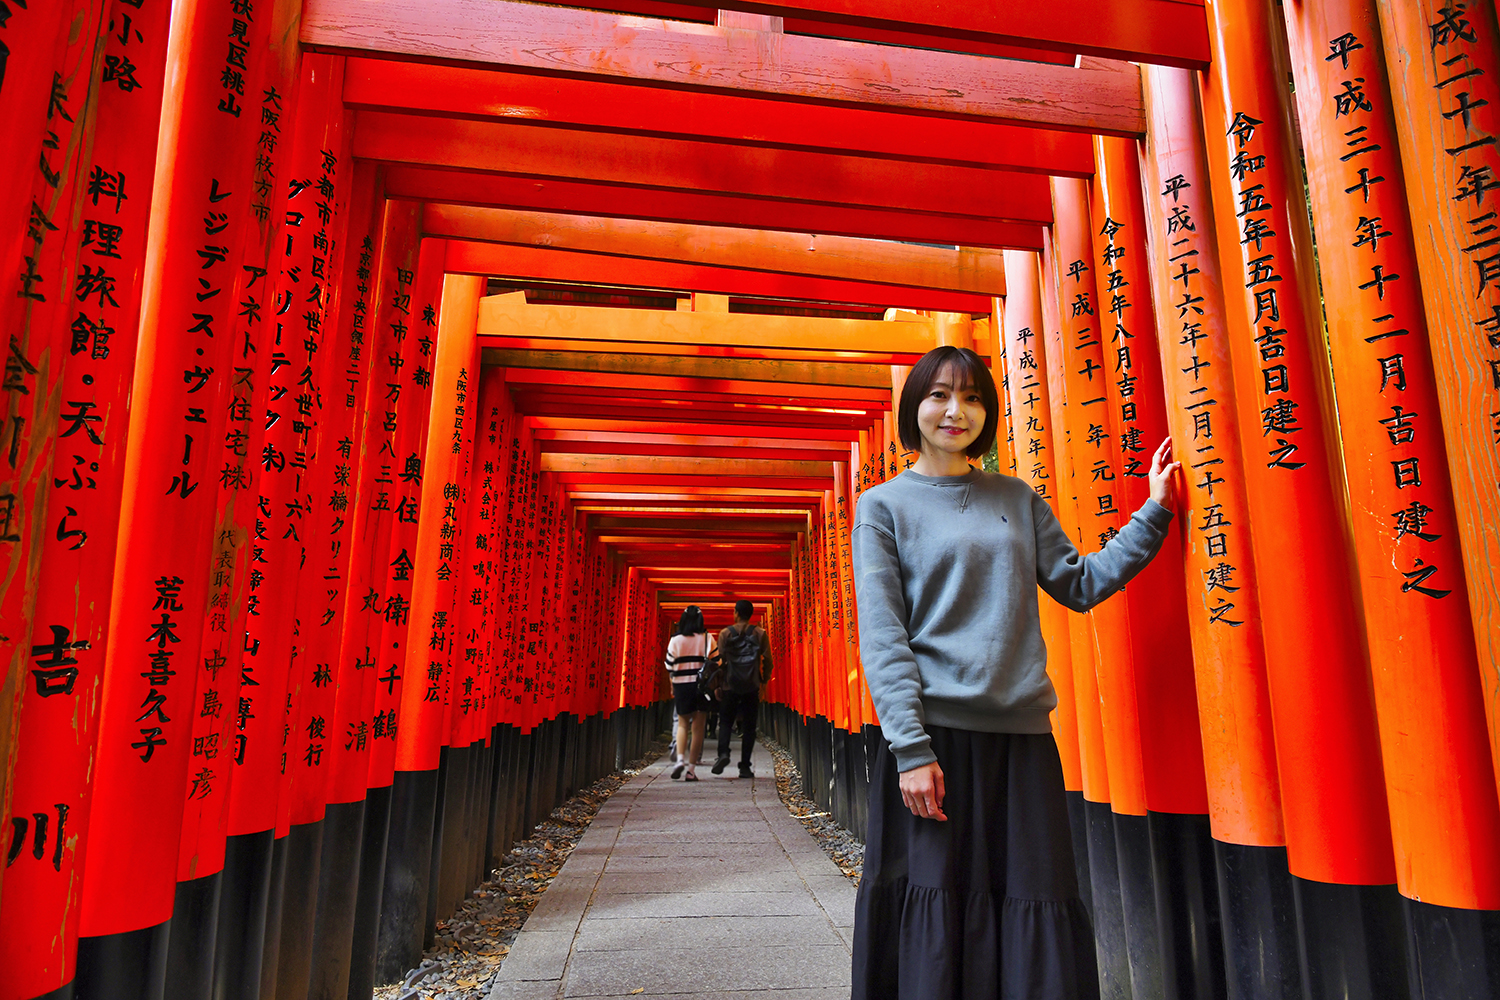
(380,391)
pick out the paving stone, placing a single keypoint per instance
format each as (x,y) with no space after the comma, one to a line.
(702,878)
(707,904)
(824,993)
(684,970)
(704,932)
(537,956)
(526,990)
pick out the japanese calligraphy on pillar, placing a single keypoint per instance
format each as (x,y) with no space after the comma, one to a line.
(1216,534)
(82,472)
(1402,512)
(1446,52)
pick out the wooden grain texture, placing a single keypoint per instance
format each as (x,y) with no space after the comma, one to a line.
(742,369)
(1099,96)
(980,272)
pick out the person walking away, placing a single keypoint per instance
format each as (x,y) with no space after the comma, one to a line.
(687,653)
(969,888)
(745,654)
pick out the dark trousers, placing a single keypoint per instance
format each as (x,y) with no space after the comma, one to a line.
(747,707)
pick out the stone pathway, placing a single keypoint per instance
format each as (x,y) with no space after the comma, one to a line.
(708,891)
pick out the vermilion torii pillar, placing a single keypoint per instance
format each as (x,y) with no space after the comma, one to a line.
(1448,54)
(58,719)
(1333,795)
(1223,612)
(1094,453)
(201,205)
(1103,889)
(34,327)
(1163,691)
(1026,392)
(1440,782)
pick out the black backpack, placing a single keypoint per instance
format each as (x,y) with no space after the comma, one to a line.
(740,654)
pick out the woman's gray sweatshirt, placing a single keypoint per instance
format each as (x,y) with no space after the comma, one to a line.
(949,630)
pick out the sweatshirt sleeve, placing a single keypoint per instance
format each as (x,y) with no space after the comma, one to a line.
(884,643)
(1079,582)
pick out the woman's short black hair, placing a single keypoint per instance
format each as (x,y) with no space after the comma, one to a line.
(969,371)
(691,622)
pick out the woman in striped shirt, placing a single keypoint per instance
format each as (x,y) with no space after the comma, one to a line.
(687,652)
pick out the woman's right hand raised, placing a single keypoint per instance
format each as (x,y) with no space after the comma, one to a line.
(922,791)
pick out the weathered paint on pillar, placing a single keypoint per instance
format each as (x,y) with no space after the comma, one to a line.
(38,296)
(64,655)
(1244,802)
(1445,820)
(1447,130)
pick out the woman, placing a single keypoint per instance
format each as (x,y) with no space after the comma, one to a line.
(687,652)
(969,888)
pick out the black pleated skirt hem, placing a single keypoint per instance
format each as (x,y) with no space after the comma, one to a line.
(986,905)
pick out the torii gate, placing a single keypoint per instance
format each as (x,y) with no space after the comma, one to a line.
(716,238)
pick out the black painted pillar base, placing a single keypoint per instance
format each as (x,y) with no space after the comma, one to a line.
(408,875)
(243,897)
(1260,923)
(270,958)
(1187,906)
(338,889)
(127,966)
(1078,823)
(1452,954)
(190,946)
(368,899)
(1109,912)
(1138,902)
(299,908)
(447,835)
(1353,940)
(435,851)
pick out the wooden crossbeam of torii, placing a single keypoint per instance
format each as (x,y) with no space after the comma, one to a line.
(688,366)
(499,147)
(1097,96)
(539,263)
(442,183)
(508,316)
(741,119)
(977,272)
(1165,32)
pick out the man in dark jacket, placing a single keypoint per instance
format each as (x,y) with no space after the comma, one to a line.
(745,654)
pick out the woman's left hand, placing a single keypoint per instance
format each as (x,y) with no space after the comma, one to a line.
(1163,476)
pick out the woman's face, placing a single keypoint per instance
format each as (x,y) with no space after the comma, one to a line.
(950,417)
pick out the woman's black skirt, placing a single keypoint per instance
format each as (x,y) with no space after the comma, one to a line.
(986,904)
